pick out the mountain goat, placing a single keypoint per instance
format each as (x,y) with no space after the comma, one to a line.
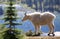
(39,19)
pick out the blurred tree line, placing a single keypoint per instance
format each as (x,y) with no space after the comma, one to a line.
(43,5)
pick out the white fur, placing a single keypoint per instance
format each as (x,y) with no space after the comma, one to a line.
(41,13)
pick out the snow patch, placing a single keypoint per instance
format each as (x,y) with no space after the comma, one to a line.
(46,34)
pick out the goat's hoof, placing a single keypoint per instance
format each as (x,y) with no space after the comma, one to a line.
(51,34)
(37,34)
(48,34)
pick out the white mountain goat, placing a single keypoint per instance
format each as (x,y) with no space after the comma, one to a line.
(38,19)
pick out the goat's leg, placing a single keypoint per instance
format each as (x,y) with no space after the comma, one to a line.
(51,26)
(36,29)
(39,30)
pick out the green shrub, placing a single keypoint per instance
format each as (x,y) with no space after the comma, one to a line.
(13,34)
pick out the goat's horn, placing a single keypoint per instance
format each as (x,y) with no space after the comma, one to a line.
(25,13)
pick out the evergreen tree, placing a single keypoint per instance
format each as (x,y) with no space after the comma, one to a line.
(36,4)
(10,17)
(29,3)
